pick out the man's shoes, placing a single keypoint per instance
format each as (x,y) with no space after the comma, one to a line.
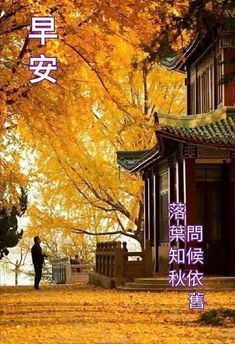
(36,287)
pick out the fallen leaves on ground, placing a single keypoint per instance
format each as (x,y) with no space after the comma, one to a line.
(86,314)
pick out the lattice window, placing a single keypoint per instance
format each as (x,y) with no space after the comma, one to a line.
(218,80)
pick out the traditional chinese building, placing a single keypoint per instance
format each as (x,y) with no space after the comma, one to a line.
(194,159)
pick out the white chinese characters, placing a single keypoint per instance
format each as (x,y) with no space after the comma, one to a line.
(194,255)
(177,211)
(42,66)
(196,300)
(181,236)
(42,28)
(192,278)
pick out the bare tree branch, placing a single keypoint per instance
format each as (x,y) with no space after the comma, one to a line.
(83,231)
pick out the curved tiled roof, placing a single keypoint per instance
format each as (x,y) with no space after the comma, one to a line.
(216,129)
(221,131)
(131,160)
(177,61)
(127,159)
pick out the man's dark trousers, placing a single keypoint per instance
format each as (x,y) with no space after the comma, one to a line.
(38,275)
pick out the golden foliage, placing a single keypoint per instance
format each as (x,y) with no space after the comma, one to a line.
(69,133)
(87,315)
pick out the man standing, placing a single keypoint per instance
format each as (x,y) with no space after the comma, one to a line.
(38,259)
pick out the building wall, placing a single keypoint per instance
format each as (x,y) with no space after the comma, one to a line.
(229,88)
(232,219)
(205,92)
(172,190)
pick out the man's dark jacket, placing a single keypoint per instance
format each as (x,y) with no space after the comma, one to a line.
(37,256)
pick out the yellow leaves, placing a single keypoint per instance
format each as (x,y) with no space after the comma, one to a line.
(55,49)
(3,110)
(11,176)
(94,315)
(71,130)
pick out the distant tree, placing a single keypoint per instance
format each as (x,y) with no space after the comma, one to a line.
(16,262)
(9,235)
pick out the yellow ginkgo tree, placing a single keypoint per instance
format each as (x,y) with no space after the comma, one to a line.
(108,86)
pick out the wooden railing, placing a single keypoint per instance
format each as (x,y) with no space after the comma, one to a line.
(114,260)
(64,272)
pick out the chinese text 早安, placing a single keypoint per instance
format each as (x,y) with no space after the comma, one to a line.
(42,28)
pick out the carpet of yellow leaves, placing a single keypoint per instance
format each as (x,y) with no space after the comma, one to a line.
(87,314)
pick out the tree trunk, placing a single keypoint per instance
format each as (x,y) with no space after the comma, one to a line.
(16,277)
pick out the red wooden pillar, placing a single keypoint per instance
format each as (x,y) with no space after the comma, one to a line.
(156,218)
(190,191)
(151,208)
(146,205)
(190,200)
(231,240)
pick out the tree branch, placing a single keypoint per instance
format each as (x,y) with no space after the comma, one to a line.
(83,231)
(98,76)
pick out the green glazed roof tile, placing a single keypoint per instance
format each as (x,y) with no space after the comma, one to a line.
(216,127)
(130,159)
(219,129)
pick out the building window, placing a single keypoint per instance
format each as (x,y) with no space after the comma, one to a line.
(206,90)
(209,200)
(199,96)
(202,98)
(193,97)
(218,80)
(211,88)
(208,173)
